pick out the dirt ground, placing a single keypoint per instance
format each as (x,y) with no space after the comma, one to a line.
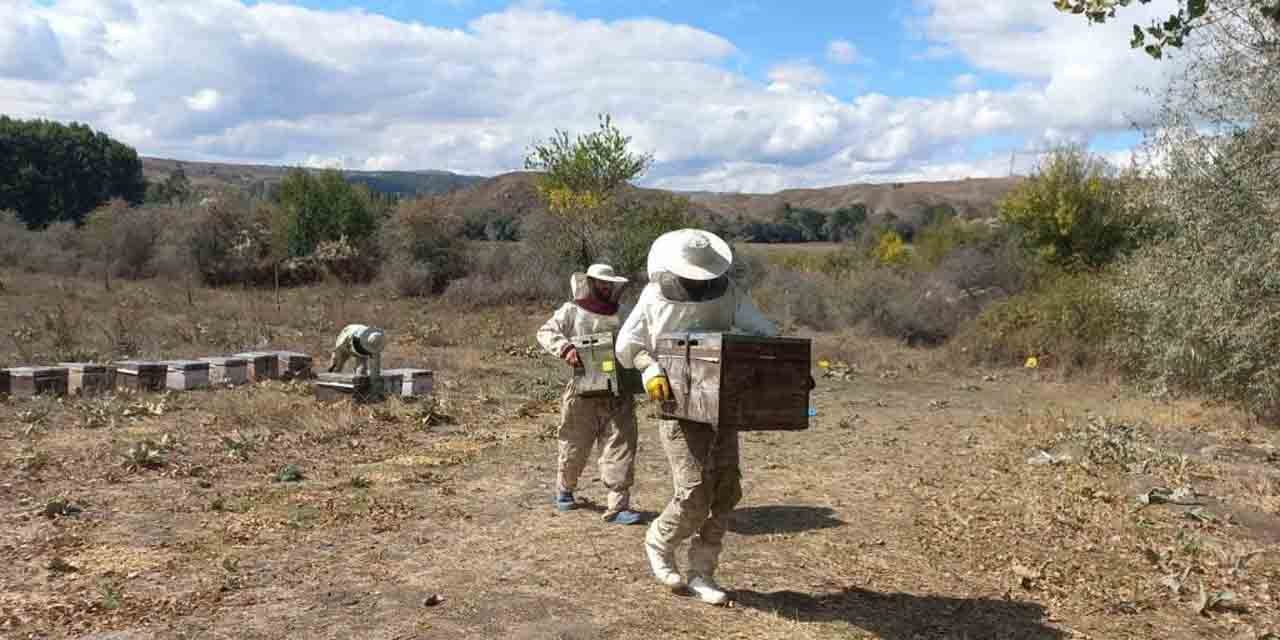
(926,501)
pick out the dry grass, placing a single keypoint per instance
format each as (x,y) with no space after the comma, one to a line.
(909,510)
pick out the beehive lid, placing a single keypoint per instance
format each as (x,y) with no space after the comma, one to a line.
(84,367)
(222,361)
(135,366)
(36,372)
(407,373)
(186,365)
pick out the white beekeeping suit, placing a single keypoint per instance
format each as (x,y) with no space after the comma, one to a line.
(362,342)
(584,421)
(690,290)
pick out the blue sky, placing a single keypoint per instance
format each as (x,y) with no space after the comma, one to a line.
(739,96)
(764,32)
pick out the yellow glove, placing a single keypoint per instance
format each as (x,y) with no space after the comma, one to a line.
(656,383)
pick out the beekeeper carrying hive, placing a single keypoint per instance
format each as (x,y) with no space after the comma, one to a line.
(690,290)
(362,342)
(584,421)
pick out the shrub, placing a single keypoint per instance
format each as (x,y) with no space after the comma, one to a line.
(503,276)
(890,249)
(797,298)
(1068,321)
(123,239)
(13,240)
(1071,213)
(55,250)
(421,242)
(347,261)
(1203,301)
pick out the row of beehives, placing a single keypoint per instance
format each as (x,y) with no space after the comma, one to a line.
(79,378)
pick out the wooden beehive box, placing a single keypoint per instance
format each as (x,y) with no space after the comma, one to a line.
(600,374)
(331,387)
(88,378)
(185,375)
(140,375)
(293,365)
(227,371)
(746,382)
(27,382)
(4,382)
(262,365)
(412,383)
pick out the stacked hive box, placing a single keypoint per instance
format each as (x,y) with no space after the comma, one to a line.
(27,382)
(185,375)
(88,378)
(413,383)
(262,365)
(227,371)
(140,375)
(745,382)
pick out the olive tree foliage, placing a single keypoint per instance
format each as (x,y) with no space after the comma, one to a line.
(584,181)
(1204,301)
(1173,30)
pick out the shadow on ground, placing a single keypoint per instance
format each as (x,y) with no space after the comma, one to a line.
(903,616)
(773,519)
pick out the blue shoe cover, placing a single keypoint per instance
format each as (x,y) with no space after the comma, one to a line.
(627,517)
(565,501)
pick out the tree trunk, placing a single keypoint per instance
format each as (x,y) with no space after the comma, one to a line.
(275,269)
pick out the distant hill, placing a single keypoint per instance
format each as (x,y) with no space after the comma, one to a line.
(515,193)
(260,177)
(971,198)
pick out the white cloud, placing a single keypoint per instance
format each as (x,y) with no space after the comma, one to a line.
(203,100)
(842,52)
(796,75)
(964,82)
(225,81)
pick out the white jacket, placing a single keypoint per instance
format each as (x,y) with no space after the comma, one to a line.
(571,321)
(654,315)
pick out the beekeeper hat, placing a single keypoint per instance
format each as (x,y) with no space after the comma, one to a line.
(371,339)
(604,273)
(693,254)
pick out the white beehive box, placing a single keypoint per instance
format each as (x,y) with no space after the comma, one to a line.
(229,372)
(89,378)
(185,375)
(413,383)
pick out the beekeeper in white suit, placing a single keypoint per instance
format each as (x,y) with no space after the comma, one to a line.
(690,290)
(584,421)
(361,342)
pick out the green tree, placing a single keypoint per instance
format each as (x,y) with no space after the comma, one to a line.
(325,207)
(175,190)
(1173,30)
(53,172)
(843,223)
(582,179)
(1072,212)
